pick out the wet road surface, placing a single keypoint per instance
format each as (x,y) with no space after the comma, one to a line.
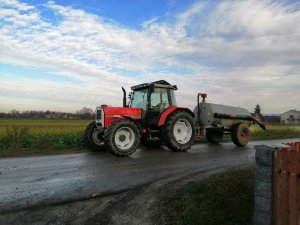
(43,180)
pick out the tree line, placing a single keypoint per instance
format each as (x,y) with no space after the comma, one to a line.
(84,113)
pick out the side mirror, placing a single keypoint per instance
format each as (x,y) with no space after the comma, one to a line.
(130,95)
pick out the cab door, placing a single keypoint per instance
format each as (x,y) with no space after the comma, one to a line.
(159,101)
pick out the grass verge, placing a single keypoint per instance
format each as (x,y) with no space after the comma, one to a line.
(274,132)
(225,199)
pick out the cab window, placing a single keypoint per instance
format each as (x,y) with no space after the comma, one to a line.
(159,99)
(139,99)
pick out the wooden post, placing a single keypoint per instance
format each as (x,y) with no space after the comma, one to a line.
(286,185)
(284,188)
(293,209)
(276,188)
(280,187)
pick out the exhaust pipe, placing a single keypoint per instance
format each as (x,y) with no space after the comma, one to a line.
(124,97)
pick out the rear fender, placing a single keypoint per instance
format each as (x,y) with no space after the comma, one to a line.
(169,111)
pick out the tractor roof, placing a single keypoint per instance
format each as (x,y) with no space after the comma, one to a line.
(159,83)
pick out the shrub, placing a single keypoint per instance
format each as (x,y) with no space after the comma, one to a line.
(16,136)
(20,137)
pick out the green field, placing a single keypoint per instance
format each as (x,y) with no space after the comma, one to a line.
(274,132)
(44,126)
(27,135)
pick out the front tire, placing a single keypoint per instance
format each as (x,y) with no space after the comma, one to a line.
(122,138)
(240,134)
(179,131)
(93,138)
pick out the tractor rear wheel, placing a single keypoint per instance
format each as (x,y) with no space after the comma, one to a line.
(93,138)
(240,134)
(214,136)
(179,131)
(122,138)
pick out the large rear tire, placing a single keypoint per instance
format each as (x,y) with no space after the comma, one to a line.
(179,131)
(93,138)
(122,138)
(214,136)
(240,134)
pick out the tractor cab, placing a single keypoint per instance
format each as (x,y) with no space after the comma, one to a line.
(153,99)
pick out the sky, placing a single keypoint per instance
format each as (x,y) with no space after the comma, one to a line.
(63,55)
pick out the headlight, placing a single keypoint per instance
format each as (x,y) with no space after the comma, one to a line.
(99,117)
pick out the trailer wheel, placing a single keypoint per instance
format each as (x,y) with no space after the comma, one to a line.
(214,136)
(122,138)
(151,143)
(92,138)
(179,131)
(240,134)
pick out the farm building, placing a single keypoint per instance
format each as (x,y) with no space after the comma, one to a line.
(290,117)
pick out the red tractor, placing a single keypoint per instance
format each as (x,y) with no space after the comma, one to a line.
(151,117)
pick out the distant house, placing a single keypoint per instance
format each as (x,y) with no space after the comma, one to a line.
(267,118)
(290,117)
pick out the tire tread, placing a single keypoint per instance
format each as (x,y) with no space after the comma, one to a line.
(88,140)
(235,136)
(109,138)
(167,133)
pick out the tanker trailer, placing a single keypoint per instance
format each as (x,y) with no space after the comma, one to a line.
(215,120)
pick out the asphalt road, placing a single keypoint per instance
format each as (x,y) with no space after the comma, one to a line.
(42,180)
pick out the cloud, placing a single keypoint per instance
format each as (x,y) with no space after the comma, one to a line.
(240,52)
(16,5)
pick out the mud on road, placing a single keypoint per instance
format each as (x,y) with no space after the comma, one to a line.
(144,205)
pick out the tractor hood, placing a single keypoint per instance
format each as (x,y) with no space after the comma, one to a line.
(112,114)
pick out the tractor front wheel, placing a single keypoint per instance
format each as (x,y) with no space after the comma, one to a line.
(122,138)
(240,134)
(93,138)
(179,131)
